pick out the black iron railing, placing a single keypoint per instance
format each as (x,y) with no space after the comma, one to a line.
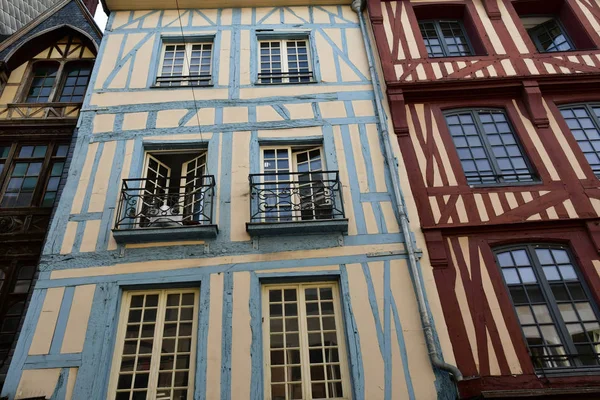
(144,204)
(184,80)
(285,77)
(298,196)
(557,361)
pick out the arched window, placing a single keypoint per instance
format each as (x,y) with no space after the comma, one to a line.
(75,79)
(558,316)
(42,82)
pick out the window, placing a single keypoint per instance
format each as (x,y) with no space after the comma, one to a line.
(173,191)
(547,34)
(304,344)
(156,345)
(26,171)
(186,64)
(284,61)
(69,81)
(445,38)
(557,29)
(487,147)
(295,185)
(76,78)
(42,82)
(553,304)
(584,122)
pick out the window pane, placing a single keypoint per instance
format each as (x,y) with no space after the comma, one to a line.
(290,372)
(171,360)
(42,83)
(501,160)
(585,127)
(550,37)
(75,82)
(576,313)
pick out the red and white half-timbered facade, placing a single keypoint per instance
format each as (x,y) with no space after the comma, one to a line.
(496,108)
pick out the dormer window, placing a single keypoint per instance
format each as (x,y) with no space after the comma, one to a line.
(51,81)
(445,38)
(547,34)
(448,30)
(44,78)
(557,29)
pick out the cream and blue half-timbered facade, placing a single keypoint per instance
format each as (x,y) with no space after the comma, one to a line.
(228,229)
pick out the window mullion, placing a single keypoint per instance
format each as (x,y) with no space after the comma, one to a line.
(304,354)
(561,328)
(156,346)
(595,119)
(441,38)
(487,147)
(284,60)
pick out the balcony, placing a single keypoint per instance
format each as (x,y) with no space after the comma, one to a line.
(41,111)
(148,212)
(296,203)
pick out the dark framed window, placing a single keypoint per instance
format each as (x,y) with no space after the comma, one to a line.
(31,174)
(445,38)
(584,122)
(488,148)
(558,317)
(549,36)
(76,77)
(42,82)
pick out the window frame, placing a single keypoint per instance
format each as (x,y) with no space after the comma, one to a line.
(188,42)
(59,81)
(303,336)
(282,38)
(595,121)
(117,354)
(536,30)
(295,215)
(441,37)
(45,172)
(557,320)
(474,111)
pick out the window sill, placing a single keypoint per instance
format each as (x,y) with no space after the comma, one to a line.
(563,372)
(290,228)
(285,83)
(145,235)
(154,86)
(507,184)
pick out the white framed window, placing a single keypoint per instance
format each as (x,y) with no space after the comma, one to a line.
(304,346)
(294,184)
(155,350)
(185,64)
(174,190)
(284,61)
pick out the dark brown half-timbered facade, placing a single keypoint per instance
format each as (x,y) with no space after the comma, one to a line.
(44,71)
(496,108)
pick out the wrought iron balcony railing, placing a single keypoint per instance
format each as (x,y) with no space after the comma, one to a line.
(565,360)
(285,77)
(184,80)
(297,196)
(145,204)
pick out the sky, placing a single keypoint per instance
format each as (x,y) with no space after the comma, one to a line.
(100,17)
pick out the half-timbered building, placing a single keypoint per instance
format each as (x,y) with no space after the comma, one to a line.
(44,71)
(496,108)
(233,225)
